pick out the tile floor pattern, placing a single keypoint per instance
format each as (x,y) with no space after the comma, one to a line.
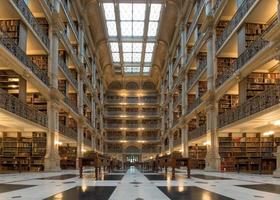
(135,185)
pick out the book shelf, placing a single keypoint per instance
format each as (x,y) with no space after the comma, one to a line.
(202,88)
(224,65)
(44,25)
(221,27)
(39,144)
(227,102)
(41,61)
(192,124)
(9,81)
(248,153)
(62,86)
(37,101)
(11,29)
(68,156)
(23,151)
(252,32)
(197,154)
(259,82)
(201,118)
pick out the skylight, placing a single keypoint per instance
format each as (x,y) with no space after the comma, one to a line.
(132,30)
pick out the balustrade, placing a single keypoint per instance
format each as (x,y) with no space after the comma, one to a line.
(258,103)
(67,131)
(16,106)
(198,132)
(22,57)
(25,11)
(236,19)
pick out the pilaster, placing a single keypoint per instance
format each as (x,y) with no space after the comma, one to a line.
(52,158)
(276,173)
(185,146)
(212,160)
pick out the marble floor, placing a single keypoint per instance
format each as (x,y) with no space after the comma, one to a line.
(138,185)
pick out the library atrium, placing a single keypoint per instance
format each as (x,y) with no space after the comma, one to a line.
(140,99)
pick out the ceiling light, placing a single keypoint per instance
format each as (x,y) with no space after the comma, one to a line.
(206,143)
(58,143)
(276,123)
(268,133)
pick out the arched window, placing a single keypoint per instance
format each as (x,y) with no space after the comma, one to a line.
(132,149)
(147,85)
(132,86)
(115,85)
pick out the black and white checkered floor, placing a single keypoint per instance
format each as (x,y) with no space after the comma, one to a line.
(136,185)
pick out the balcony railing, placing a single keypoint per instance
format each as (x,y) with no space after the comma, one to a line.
(147,100)
(23,8)
(178,100)
(119,113)
(109,125)
(236,19)
(67,72)
(258,103)
(114,100)
(122,100)
(198,132)
(86,100)
(150,150)
(87,142)
(147,138)
(247,55)
(177,142)
(114,150)
(17,107)
(175,122)
(217,5)
(201,67)
(71,104)
(50,5)
(68,132)
(192,106)
(149,126)
(22,57)
(64,4)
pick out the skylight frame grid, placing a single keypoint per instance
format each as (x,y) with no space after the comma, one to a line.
(141,36)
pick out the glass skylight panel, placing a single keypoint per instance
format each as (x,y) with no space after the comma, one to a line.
(127,57)
(132,69)
(136,57)
(148,57)
(150,47)
(137,47)
(109,11)
(155,12)
(116,57)
(114,47)
(127,46)
(126,28)
(126,11)
(139,10)
(146,69)
(138,28)
(132,24)
(152,30)
(111,27)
